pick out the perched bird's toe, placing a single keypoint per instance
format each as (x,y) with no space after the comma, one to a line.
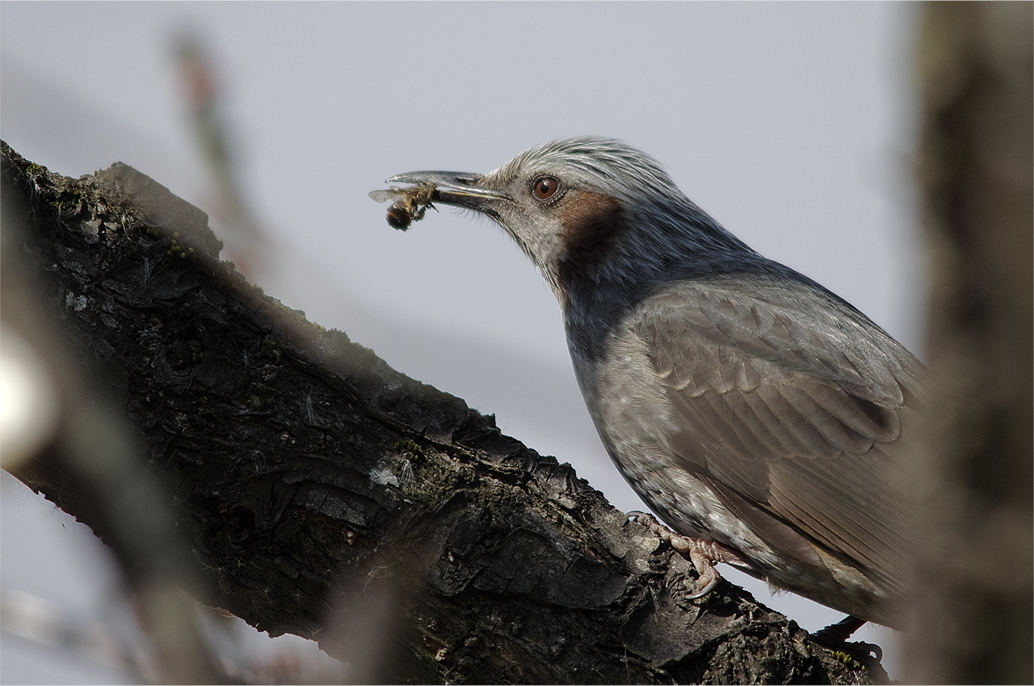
(703,554)
(839,632)
(708,576)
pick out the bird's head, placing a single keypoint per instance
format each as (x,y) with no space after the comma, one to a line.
(588,211)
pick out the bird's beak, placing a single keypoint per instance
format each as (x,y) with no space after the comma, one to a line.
(461,189)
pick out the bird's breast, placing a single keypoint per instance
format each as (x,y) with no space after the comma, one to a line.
(635,421)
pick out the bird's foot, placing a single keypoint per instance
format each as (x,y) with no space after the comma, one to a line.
(703,554)
(839,632)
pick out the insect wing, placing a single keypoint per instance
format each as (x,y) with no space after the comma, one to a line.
(384,195)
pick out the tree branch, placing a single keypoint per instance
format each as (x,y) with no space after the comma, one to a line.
(323,493)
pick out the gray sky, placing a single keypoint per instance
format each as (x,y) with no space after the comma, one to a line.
(792,124)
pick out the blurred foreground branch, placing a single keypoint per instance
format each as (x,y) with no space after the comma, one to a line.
(973,606)
(322,493)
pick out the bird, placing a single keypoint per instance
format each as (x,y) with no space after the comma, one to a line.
(763,418)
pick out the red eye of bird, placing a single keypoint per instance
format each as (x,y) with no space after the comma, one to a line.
(545,187)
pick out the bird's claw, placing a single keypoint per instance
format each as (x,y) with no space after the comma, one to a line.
(708,577)
(840,631)
(701,553)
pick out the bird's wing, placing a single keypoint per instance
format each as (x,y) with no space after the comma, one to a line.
(791,403)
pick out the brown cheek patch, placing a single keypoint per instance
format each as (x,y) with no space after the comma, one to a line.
(589,224)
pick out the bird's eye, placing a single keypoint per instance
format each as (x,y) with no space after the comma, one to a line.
(545,187)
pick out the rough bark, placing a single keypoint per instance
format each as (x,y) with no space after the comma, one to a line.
(973,603)
(325,494)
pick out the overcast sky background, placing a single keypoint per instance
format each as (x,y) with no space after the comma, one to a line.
(793,124)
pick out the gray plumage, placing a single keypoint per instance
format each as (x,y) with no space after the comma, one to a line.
(745,403)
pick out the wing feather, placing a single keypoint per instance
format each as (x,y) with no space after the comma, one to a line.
(793,402)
